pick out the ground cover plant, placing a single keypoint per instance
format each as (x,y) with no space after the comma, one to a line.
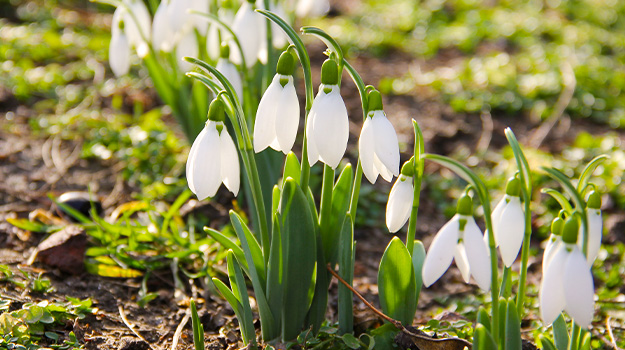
(153,259)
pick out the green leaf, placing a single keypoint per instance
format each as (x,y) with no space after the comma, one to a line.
(299,250)
(546,343)
(227,294)
(239,289)
(588,170)
(585,342)
(396,283)
(28,225)
(503,307)
(275,275)
(104,270)
(418,257)
(560,333)
(229,245)
(292,167)
(346,271)
(513,328)
(350,341)
(198,335)
(483,318)
(482,339)
(368,340)
(251,248)
(341,195)
(384,337)
(33,314)
(564,203)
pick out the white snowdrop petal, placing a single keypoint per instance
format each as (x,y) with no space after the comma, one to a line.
(595,233)
(313,153)
(192,158)
(187,47)
(232,74)
(246,26)
(331,126)
(119,54)
(137,30)
(265,124)
(366,150)
(204,171)
(477,254)
(578,288)
(496,217)
(229,162)
(287,119)
(550,249)
(510,230)
(386,174)
(441,252)
(551,294)
(386,143)
(161,31)
(200,23)
(399,204)
(462,262)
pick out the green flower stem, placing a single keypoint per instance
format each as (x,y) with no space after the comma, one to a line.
(419,164)
(353,203)
(479,187)
(526,192)
(268,74)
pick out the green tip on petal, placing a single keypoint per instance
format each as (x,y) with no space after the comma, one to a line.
(216,111)
(121,25)
(513,188)
(375,101)
(594,200)
(556,226)
(329,73)
(570,230)
(408,168)
(224,51)
(465,205)
(286,64)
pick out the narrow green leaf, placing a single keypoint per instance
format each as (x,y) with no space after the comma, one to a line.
(198,336)
(418,257)
(239,289)
(483,318)
(396,283)
(346,271)
(299,257)
(340,204)
(564,203)
(589,169)
(503,306)
(229,245)
(275,274)
(226,293)
(513,328)
(319,303)
(546,343)
(27,225)
(482,339)
(585,342)
(292,167)
(251,248)
(560,333)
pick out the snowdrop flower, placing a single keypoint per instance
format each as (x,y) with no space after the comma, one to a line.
(567,283)
(327,127)
(230,71)
(312,8)
(595,228)
(162,33)
(400,199)
(278,38)
(378,146)
(213,157)
(119,50)
(509,223)
(460,240)
(187,47)
(247,27)
(555,239)
(137,25)
(277,118)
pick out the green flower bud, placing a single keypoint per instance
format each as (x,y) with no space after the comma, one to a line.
(513,188)
(375,101)
(286,64)
(408,168)
(556,226)
(570,230)
(329,73)
(224,51)
(594,200)
(465,205)
(216,111)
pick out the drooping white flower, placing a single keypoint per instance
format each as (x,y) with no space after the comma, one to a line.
(213,157)
(327,127)
(595,228)
(162,33)
(187,47)
(312,8)
(567,283)
(278,37)
(232,74)
(137,25)
(247,27)
(461,240)
(555,239)
(119,52)
(378,146)
(216,36)
(399,203)
(277,118)
(509,223)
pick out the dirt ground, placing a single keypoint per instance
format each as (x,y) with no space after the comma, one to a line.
(31,167)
